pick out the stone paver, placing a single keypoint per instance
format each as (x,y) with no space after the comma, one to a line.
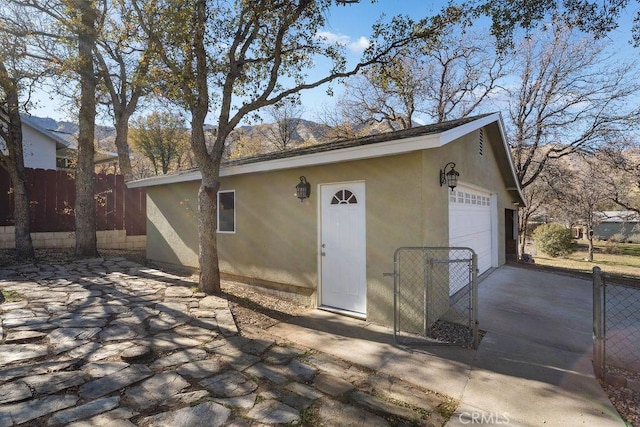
(229,384)
(55,382)
(201,368)
(332,413)
(109,384)
(14,392)
(11,353)
(81,412)
(111,343)
(274,412)
(209,414)
(155,390)
(20,413)
(333,386)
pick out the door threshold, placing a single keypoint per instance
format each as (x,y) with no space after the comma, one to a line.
(354,314)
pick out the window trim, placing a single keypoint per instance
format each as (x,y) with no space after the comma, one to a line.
(235,227)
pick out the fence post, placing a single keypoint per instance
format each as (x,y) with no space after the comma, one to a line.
(598,323)
(474,298)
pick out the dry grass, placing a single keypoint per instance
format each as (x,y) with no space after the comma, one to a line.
(614,258)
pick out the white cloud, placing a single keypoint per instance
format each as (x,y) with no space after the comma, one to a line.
(360,45)
(343,40)
(330,37)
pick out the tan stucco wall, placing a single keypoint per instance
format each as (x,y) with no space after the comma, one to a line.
(482,172)
(277,236)
(172,228)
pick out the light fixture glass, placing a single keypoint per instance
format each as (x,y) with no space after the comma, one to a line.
(303,189)
(449,177)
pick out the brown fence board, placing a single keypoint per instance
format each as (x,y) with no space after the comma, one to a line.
(66,200)
(49,206)
(52,200)
(6,199)
(135,213)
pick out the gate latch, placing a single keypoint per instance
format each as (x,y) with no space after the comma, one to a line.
(389,274)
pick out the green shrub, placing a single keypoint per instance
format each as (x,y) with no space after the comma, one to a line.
(618,238)
(634,238)
(553,239)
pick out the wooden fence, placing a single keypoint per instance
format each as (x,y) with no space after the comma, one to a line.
(52,198)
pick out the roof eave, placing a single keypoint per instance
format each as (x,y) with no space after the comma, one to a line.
(358,152)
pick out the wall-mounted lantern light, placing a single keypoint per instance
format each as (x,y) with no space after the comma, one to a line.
(451,177)
(303,189)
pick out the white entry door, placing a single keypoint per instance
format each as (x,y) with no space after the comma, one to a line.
(343,247)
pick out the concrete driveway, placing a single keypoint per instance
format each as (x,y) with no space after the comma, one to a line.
(532,368)
(534,364)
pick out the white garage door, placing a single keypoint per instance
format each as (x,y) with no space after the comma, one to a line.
(470,223)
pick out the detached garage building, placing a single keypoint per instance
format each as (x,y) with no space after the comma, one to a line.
(368,197)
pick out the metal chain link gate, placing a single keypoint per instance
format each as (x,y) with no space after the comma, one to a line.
(616,325)
(435,296)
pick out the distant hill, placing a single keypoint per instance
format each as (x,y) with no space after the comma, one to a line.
(244,141)
(68,130)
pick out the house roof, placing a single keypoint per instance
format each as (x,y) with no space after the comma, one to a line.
(379,145)
(61,143)
(617,216)
(66,143)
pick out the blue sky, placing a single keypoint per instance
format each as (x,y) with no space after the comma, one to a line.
(351,24)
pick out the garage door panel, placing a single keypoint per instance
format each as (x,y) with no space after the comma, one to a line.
(470,223)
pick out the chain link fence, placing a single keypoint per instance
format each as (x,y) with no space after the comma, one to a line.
(435,296)
(616,325)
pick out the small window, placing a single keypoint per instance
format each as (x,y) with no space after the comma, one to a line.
(467,198)
(63,163)
(473,199)
(227,212)
(460,197)
(344,197)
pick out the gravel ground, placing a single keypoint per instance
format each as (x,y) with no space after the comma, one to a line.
(253,309)
(625,400)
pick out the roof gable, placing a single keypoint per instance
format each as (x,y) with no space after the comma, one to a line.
(61,143)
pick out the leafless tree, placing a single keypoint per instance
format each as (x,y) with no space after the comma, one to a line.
(538,198)
(462,72)
(387,93)
(444,79)
(286,116)
(339,127)
(569,97)
(582,194)
(620,160)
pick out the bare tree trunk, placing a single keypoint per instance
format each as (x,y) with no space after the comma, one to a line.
(85,210)
(122,147)
(14,164)
(522,232)
(24,245)
(207,212)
